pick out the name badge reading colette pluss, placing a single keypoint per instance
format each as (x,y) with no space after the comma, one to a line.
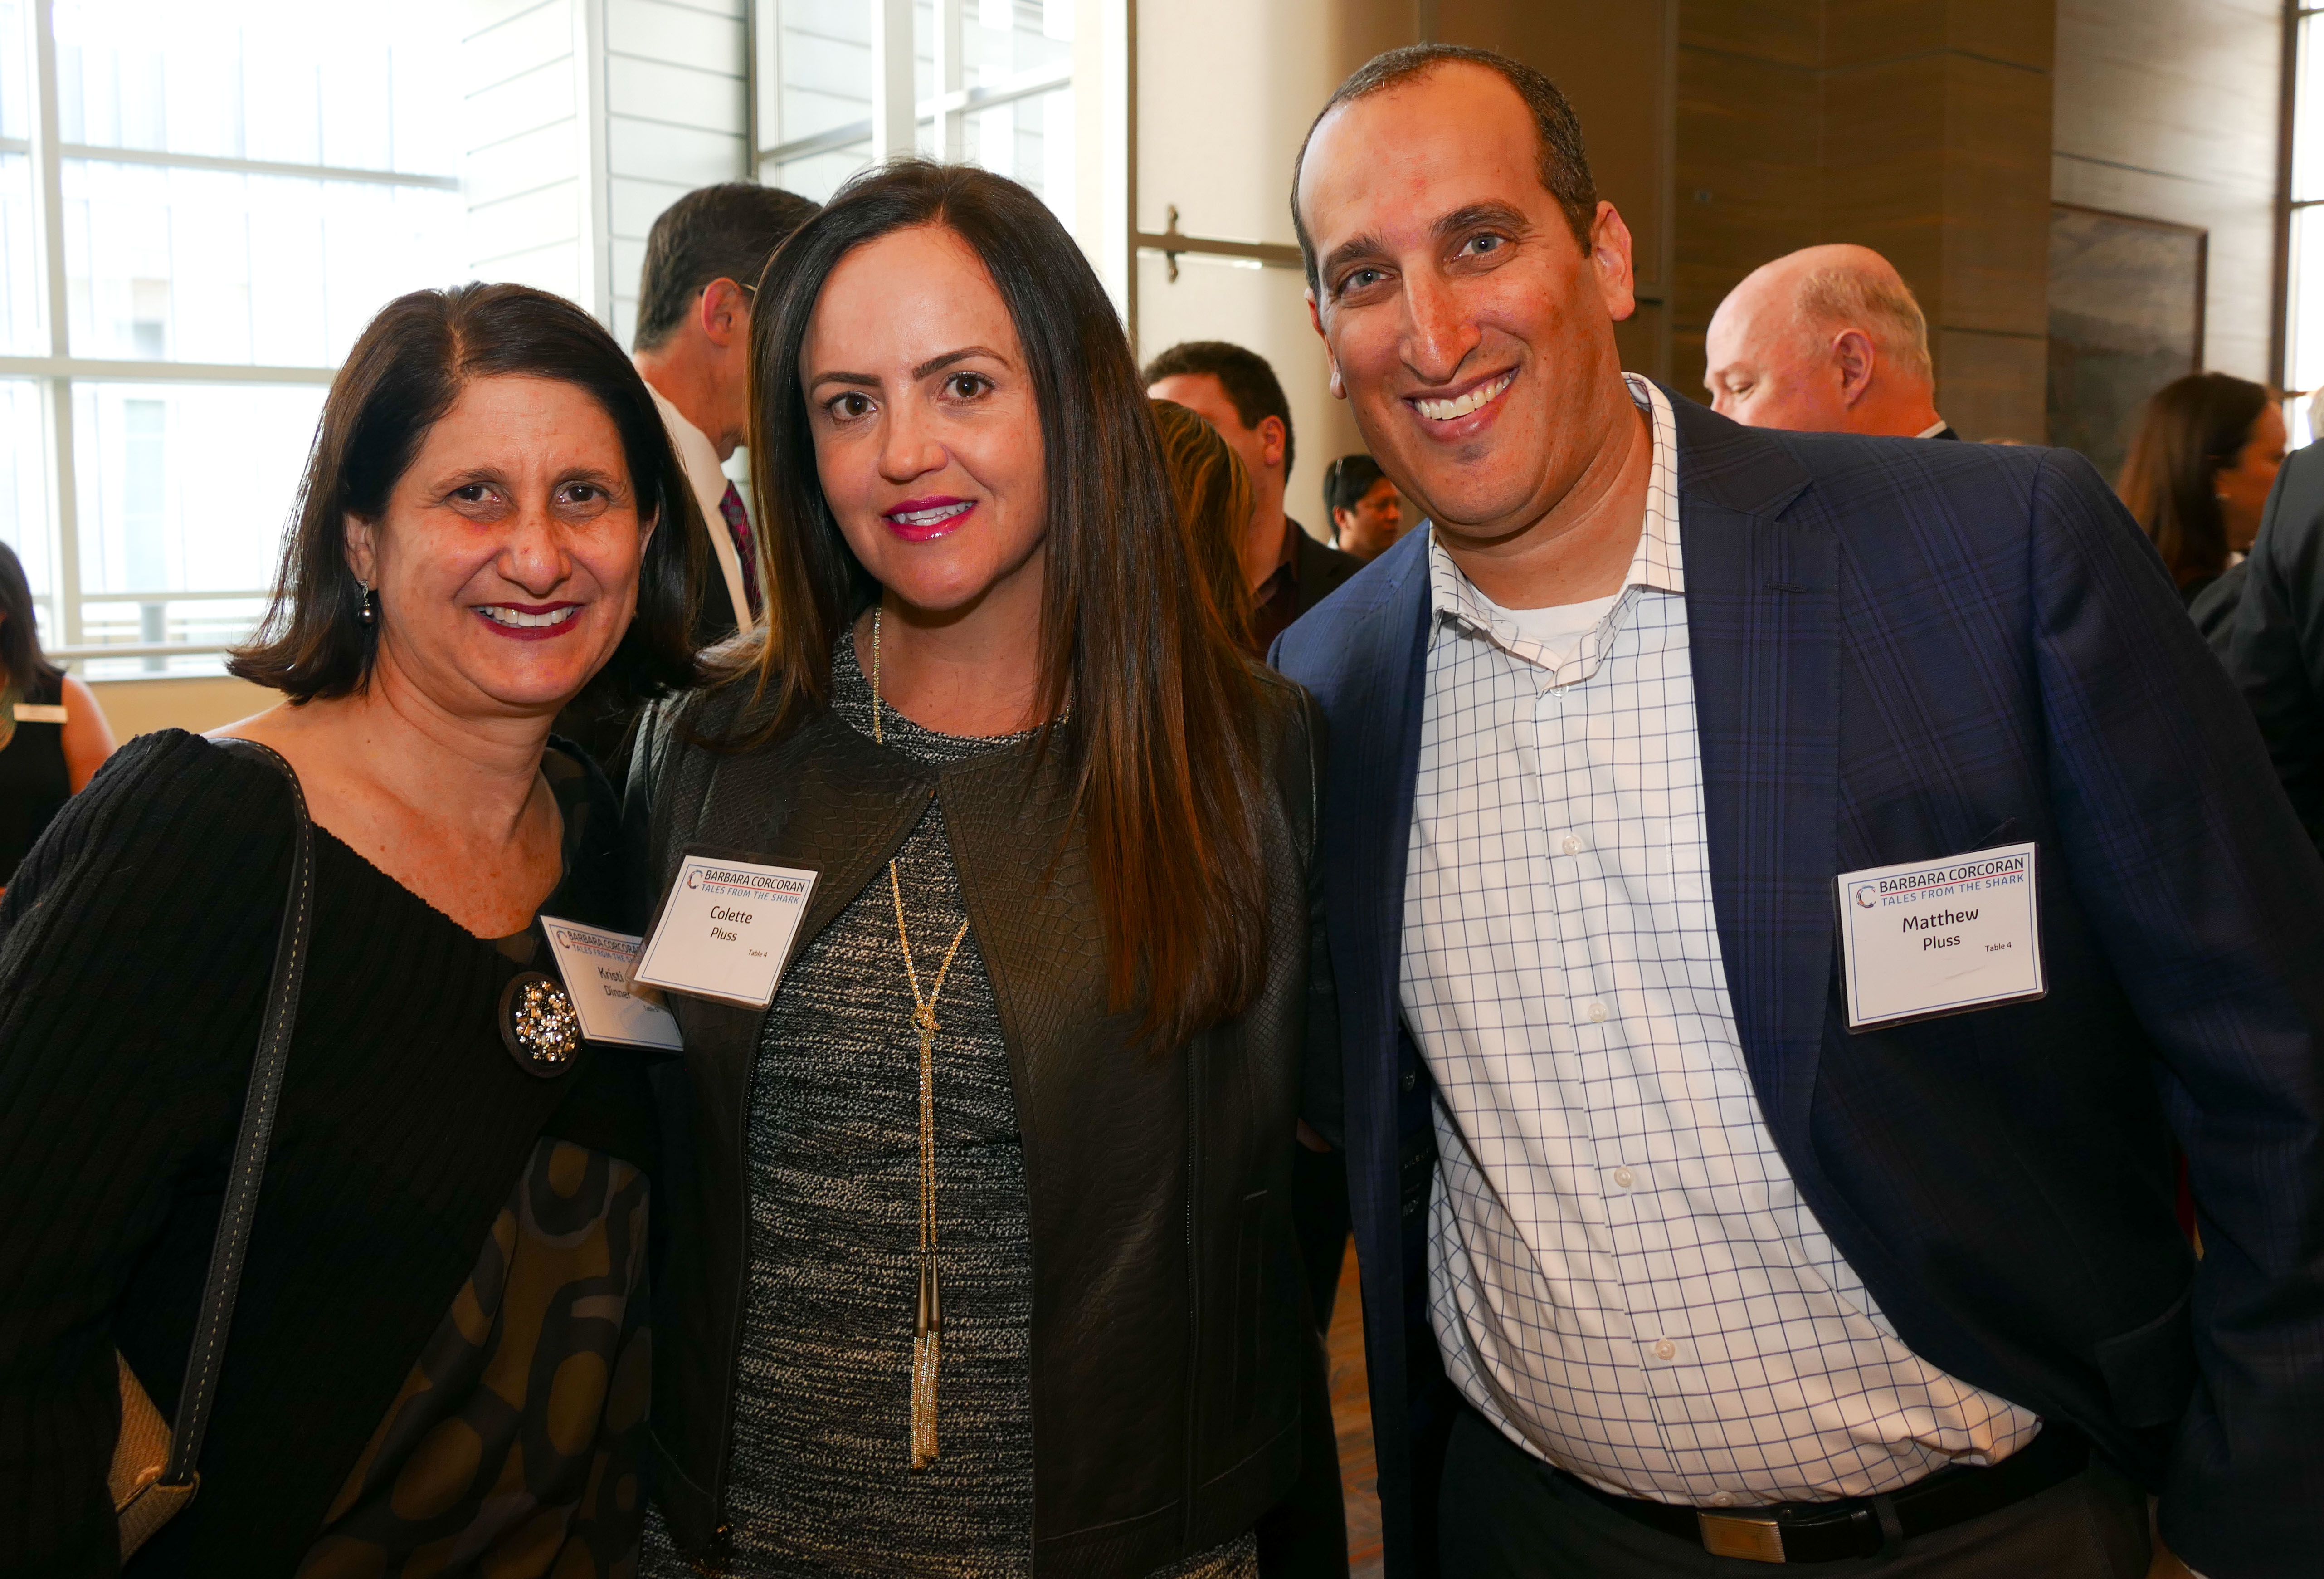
(1934,938)
(725,929)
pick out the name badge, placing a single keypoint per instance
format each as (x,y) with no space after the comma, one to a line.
(40,713)
(1936,937)
(596,965)
(725,929)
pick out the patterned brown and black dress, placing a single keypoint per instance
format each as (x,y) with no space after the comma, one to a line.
(507,1452)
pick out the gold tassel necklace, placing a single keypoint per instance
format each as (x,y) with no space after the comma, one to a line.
(927,1329)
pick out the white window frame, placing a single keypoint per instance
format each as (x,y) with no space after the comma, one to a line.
(894,126)
(2303,99)
(58,371)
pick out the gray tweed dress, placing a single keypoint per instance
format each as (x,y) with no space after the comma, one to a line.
(820,1482)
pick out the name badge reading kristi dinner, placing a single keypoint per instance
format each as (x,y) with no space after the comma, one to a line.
(596,965)
(1934,938)
(725,929)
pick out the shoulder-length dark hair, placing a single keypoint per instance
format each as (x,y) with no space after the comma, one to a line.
(2190,430)
(1164,742)
(23,664)
(405,372)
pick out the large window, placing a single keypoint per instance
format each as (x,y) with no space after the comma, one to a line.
(843,83)
(200,207)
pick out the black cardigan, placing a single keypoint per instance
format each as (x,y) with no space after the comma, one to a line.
(135,951)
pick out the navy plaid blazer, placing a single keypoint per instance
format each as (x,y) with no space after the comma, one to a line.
(1904,650)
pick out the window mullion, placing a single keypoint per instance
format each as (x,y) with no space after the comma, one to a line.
(948,138)
(48,174)
(894,103)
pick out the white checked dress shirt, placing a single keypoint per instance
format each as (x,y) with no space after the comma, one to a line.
(1622,1274)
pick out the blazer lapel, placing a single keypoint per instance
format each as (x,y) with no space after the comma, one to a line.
(1762,605)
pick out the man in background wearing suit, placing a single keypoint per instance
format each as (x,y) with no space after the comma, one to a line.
(1237,393)
(1827,339)
(1784,893)
(704,257)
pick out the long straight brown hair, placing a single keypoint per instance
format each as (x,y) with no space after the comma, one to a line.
(1168,778)
(1214,504)
(2190,429)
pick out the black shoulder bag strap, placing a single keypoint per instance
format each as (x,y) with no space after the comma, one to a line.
(225,1279)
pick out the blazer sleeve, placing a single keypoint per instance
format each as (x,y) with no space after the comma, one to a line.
(2274,647)
(2208,900)
(134,952)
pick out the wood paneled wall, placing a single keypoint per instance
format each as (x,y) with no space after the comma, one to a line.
(1917,127)
(1730,132)
(2169,109)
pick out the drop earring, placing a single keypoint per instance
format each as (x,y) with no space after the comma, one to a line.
(367,605)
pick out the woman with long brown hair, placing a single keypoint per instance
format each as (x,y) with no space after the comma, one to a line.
(2199,468)
(977,1259)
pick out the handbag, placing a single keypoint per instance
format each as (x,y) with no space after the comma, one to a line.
(153,1476)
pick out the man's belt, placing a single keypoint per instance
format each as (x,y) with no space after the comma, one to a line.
(1862,1527)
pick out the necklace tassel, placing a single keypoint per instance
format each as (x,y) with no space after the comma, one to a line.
(927,1344)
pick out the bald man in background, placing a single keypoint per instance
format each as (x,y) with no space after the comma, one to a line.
(1827,339)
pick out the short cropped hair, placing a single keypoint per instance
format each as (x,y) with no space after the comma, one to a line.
(1564,164)
(1252,388)
(406,371)
(1348,479)
(725,232)
(1851,298)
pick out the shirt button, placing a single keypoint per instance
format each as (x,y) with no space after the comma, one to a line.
(1722,1499)
(1666,1349)
(1597,1012)
(1571,843)
(1624,1178)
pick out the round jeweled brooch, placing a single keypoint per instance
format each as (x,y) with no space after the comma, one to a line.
(537,1023)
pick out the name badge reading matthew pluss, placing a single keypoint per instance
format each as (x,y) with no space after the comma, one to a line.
(725,929)
(1939,937)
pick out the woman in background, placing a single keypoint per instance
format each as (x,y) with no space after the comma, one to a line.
(1367,516)
(53,736)
(1214,505)
(2200,465)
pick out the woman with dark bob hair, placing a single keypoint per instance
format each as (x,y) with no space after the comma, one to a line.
(975,1256)
(436,1353)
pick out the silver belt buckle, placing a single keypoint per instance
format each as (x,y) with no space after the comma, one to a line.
(1756,1540)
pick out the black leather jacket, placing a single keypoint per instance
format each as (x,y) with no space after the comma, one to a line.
(1165,1333)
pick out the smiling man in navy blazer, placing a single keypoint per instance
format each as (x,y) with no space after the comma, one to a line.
(1700,1218)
